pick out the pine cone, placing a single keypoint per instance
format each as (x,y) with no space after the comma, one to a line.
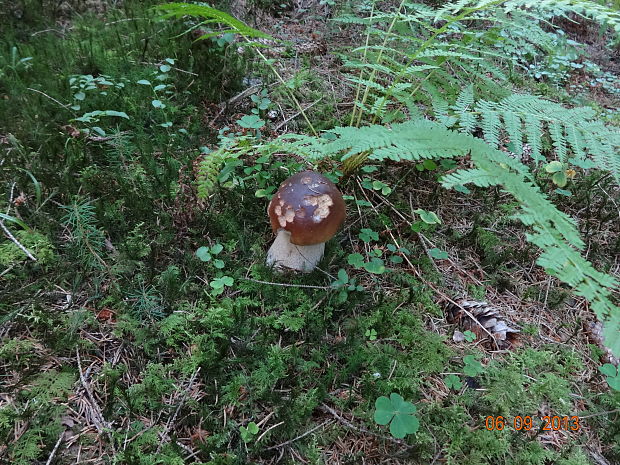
(594,330)
(482,319)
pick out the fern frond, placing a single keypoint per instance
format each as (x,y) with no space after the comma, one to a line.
(574,133)
(211,15)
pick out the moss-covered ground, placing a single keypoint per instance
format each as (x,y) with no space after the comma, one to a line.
(120,345)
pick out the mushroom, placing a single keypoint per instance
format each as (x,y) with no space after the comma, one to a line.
(305,213)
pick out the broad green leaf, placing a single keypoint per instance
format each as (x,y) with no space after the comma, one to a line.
(203,254)
(608,369)
(554,166)
(428,217)
(251,122)
(403,425)
(375,266)
(438,254)
(355,259)
(559,179)
(614,383)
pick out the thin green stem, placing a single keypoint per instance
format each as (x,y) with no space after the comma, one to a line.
(426,44)
(374,71)
(359,84)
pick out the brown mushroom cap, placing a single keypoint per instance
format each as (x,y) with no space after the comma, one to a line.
(309,206)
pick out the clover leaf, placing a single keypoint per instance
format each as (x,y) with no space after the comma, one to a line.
(398,413)
(612,375)
(472,366)
(453,382)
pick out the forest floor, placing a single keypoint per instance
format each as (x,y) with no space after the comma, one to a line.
(139,324)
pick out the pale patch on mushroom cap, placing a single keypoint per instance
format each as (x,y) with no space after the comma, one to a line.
(322,203)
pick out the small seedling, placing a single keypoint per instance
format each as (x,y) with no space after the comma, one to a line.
(375,265)
(612,375)
(469,336)
(453,382)
(248,433)
(218,284)
(371,334)
(368,235)
(206,254)
(438,254)
(472,366)
(346,285)
(428,217)
(398,413)
(376,186)
(560,173)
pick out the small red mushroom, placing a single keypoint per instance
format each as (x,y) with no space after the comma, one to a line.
(305,213)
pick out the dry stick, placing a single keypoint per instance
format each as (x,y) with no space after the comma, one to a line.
(290,441)
(98,419)
(16,242)
(347,423)
(269,429)
(51,98)
(53,453)
(325,288)
(171,420)
(241,95)
(417,273)
(599,414)
(10,236)
(296,115)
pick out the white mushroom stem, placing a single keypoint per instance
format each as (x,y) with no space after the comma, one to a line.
(284,255)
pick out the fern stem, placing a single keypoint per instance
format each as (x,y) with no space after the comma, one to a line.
(359,84)
(374,71)
(426,44)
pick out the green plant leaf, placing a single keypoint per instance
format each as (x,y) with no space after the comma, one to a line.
(472,366)
(403,425)
(453,382)
(608,369)
(12,219)
(397,411)
(559,179)
(438,254)
(384,411)
(356,260)
(203,254)
(251,122)
(428,217)
(614,383)
(368,235)
(158,104)
(554,166)
(375,266)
